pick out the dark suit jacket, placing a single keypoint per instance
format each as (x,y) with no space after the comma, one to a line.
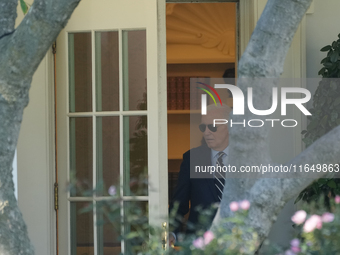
(199,191)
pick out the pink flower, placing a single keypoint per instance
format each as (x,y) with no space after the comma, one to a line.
(198,243)
(337,199)
(208,237)
(313,222)
(327,217)
(233,206)
(319,223)
(112,190)
(295,249)
(299,217)
(295,242)
(244,204)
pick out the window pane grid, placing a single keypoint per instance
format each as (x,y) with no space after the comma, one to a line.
(122,114)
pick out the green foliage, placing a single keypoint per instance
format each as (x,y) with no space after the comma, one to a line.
(240,240)
(231,237)
(136,229)
(24,6)
(325,117)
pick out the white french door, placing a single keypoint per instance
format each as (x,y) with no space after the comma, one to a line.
(111,115)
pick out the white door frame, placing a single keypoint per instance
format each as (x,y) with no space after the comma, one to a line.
(156,75)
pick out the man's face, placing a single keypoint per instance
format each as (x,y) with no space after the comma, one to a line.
(218,140)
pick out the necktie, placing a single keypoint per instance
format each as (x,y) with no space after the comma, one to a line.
(219,178)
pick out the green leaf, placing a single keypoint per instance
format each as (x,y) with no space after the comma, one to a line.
(131,235)
(326,59)
(152,230)
(331,184)
(328,65)
(299,197)
(322,180)
(334,57)
(322,71)
(24,6)
(334,44)
(326,48)
(312,125)
(334,69)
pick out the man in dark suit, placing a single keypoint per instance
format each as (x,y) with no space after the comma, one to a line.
(206,189)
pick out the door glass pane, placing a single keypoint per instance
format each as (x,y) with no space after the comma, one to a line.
(135,155)
(108,227)
(81,158)
(80,72)
(81,229)
(107,153)
(134,70)
(136,220)
(107,71)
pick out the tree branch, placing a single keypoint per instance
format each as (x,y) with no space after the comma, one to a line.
(272,37)
(8,14)
(325,150)
(269,195)
(27,46)
(260,67)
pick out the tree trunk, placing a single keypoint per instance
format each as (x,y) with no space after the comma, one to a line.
(21,52)
(260,67)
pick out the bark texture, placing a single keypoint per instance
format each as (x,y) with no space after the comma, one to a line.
(264,58)
(8,14)
(21,51)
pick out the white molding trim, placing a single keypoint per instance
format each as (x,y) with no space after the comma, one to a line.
(247,22)
(162,106)
(50,148)
(303,71)
(311,8)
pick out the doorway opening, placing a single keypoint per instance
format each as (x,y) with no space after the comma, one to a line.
(201,43)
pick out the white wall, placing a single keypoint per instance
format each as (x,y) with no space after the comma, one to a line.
(35,168)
